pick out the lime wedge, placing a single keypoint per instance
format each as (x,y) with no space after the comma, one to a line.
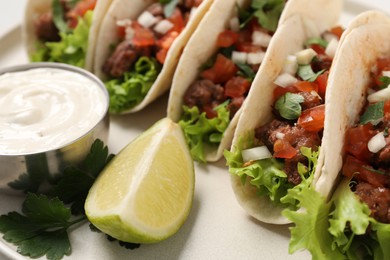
(145,193)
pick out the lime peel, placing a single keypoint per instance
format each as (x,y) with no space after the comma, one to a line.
(145,194)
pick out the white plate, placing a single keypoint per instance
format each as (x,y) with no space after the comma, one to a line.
(217,227)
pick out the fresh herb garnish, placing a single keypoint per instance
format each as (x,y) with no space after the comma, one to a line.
(169,7)
(58,16)
(306,73)
(289,106)
(385,82)
(42,227)
(268,12)
(246,71)
(318,41)
(42,230)
(373,113)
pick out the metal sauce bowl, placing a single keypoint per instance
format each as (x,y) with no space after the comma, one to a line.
(32,171)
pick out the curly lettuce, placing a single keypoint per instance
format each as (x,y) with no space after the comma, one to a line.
(201,132)
(267,175)
(129,91)
(72,47)
(339,229)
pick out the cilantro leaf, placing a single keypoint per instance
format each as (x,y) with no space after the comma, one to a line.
(318,41)
(306,73)
(75,183)
(268,12)
(289,106)
(42,230)
(169,7)
(372,113)
(385,82)
(58,16)
(246,71)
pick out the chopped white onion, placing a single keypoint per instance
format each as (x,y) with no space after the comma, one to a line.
(123,22)
(279,135)
(376,143)
(146,19)
(381,95)
(328,36)
(254,58)
(163,26)
(239,57)
(331,48)
(260,38)
(290,65)
(386,73)
(129,33)
(234,24)
(305,56)
(256,153)
(285,80)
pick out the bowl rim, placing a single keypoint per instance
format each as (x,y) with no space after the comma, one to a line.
(66,67)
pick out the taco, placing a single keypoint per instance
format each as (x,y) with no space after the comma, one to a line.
(63,30)
(140,43)
(214,76)
(353,223)
(279,134)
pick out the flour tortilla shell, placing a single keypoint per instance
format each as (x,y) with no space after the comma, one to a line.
(131,9)
(34,8)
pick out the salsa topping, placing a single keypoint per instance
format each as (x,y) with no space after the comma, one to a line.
(368,147)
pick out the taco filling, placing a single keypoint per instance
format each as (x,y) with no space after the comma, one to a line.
(213,99)
(138,57)
(63,31)
(283,153)
(368,147)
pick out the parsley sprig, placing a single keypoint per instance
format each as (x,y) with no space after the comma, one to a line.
(42,228)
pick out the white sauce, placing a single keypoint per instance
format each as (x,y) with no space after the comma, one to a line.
(46,108)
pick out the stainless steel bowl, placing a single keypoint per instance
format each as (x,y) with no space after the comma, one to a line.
(23,172)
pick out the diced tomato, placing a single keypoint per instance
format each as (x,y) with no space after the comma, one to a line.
(178,21)
(167,41)
(318,48)
(162,55)
(386,109)
(306,86)
(210,111)
(222,70)
(121,32)
(283,149)
(142,36)
(227,38)
(322,82)
(356,141)
(280,91)
(337,30)
(355,168)
(78,11)
(383,64)
(312,119)
(237,87)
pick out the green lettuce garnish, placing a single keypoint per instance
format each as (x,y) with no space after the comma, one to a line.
(129,91)
(201,132)
(337,229)
(267,175)
(72,47)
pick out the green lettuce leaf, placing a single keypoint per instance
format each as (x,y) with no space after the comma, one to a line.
(71,49)
(127,92)
(201,132)
(336,229)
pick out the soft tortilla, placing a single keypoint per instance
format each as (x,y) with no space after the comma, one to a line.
(35,8)
(367,40)
(257,110)
(131,9)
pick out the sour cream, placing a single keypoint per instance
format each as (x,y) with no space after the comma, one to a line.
(46,108)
